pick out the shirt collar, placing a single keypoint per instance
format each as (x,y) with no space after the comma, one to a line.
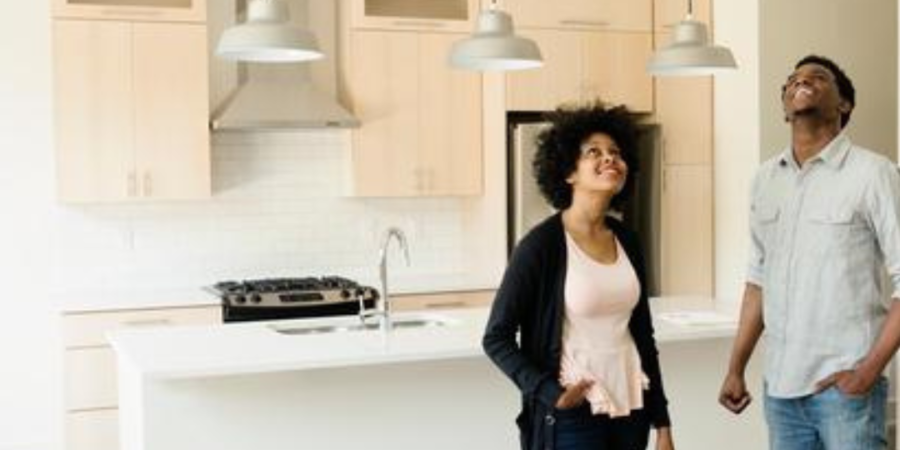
(833,155)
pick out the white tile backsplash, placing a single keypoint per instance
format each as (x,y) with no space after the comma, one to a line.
(279,208)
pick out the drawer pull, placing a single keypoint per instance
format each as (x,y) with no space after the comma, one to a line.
(585,23)
(146,323)
(132,12)
(448,304)
(418,23)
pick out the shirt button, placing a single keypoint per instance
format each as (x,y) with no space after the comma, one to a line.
(549,420)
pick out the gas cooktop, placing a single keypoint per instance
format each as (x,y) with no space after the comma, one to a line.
(278,298)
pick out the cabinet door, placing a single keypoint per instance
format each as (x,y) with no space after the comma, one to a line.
(414,15)
(558,81)
(614,69)
(90,379)
(669,12)
(687,230)
(93,110)
(684,112)
(384,91)
(92,430)
(143,10)
(171,86)
(622,15)
(451,121)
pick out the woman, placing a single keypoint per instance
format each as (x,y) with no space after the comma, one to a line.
(587,362)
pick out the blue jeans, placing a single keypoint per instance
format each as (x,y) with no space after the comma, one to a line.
(829,420)
(578,429)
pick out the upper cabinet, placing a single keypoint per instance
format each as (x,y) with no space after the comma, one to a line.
(131,110)
(143,10)
(670,12)
(421,132)
(592,49)
(582,66)
(607,15)
(421,15)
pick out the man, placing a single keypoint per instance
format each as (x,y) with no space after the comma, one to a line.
(825,222)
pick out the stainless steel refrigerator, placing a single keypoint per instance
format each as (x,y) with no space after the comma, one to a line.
(526,206)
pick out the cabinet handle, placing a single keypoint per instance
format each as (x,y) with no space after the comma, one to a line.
(132,184)
(418,23)
(146,323)
(447,304)
(585,23)
(148,184)
(132,12)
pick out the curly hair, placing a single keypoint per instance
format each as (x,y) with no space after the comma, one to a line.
(559,148)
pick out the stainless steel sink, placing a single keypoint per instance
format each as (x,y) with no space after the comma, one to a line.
(429,321)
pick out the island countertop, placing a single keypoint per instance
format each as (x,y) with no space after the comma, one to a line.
(256,347)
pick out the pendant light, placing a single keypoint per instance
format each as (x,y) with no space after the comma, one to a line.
(268,36)
(690,53)
(494,46)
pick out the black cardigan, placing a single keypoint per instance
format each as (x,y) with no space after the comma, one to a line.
(531,301)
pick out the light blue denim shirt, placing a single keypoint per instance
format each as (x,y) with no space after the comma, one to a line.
(822,235)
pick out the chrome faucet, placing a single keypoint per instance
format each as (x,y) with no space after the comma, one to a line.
(383,304)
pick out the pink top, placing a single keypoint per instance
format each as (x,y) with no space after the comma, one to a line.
(597,344)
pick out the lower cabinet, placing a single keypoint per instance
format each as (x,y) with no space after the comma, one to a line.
(445,300)
(90,387)
(96,429)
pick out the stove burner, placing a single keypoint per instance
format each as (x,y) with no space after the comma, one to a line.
(278,298)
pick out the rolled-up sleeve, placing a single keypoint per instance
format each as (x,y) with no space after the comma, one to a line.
(883,198)
(755,264)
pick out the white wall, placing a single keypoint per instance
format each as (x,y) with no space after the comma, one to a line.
(29,381)
(736,142)
(278,209)
(860,35)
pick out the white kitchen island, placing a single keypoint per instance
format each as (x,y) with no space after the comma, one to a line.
(246,386)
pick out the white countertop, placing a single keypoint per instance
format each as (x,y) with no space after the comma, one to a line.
(94,300)
(255,347)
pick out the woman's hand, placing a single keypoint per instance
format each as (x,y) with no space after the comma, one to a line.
(664,439)
(573,395)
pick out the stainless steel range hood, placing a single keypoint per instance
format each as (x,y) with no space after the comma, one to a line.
(272,104)
(275,96)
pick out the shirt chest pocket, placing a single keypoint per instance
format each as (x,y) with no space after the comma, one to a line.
(832,228)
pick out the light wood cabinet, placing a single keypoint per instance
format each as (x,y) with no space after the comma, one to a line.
(444,300)
(687,230)
(131,105)
(143,10)
(92,430)
(420,15)
(620,15)
(685,114)
(421,127)
(582,66)
(90,386)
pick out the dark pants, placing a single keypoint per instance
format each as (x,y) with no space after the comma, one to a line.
(578,429)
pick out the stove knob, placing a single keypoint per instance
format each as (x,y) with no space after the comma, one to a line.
(345,294)
(239,298)
(255,298)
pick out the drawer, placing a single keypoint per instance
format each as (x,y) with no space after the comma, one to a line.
(92,430)
(447,300)
(90,378)
(88,329)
